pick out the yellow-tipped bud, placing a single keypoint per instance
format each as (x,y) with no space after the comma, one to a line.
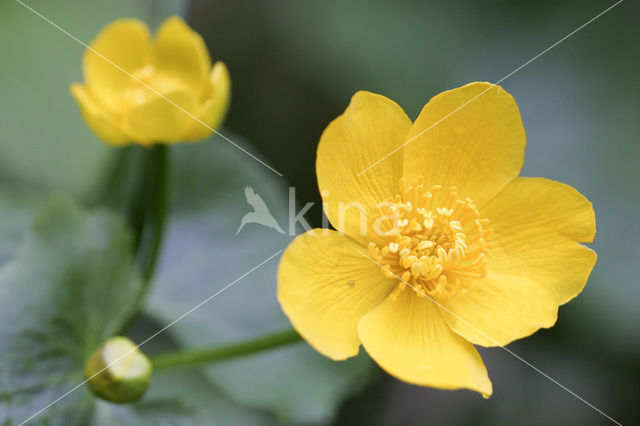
(118,371)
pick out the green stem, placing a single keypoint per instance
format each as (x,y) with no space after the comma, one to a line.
(218,353)
(147,201)
(156,210)
(137,193)
(138,185)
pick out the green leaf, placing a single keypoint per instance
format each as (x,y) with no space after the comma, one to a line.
(181,398)
(71,285)
(202,255)
(298,384)
(17,209)
(167,412)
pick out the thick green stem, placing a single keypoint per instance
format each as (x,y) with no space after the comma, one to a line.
(156,210)
(138,185)
(208,355)
(147,201)
(136,194)
(148,206)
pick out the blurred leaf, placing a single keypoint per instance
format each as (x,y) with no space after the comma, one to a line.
(297,383)
(17,209)
(71,285)
(202,255)
(192,396)
(170,412)
(182,397)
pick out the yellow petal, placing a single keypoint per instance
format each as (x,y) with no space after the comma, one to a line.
(479,148)
(370,128)
(127,43)
(325,286)
(501,308)
(409,339)
(538,224)
(181,53)
(214,109)
(159,119)
(99,121)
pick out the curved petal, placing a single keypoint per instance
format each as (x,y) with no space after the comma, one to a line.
(325,285)
(214,109)
(125,43)
(470,137)
(181,53)
(409,339)
(500,309)
(538,224)
(159,119)
(98,120)
(370,128)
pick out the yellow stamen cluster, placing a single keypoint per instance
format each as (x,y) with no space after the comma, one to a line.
(431,240)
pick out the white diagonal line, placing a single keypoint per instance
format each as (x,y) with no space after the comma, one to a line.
(150,337)
(149,87)
(497,344)
(493,84)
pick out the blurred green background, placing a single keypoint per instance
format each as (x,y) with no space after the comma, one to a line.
(294,65)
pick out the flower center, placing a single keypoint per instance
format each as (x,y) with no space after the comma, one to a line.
(434,242)
(149,83)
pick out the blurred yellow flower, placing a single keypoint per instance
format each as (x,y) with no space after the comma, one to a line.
(455,250)
(121,109)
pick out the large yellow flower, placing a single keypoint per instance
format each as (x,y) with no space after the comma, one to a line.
(456,249)
(185,91)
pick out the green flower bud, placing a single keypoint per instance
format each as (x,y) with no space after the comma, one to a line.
(118,371)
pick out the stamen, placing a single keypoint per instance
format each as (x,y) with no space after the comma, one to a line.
(435,243)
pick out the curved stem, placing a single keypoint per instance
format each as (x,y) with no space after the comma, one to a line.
(218,353)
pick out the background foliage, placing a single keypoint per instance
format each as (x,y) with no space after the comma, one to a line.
(294,65)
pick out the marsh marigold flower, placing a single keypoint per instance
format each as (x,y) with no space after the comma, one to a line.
(439,247)
(121,109)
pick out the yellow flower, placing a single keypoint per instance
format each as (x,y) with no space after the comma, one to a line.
(455,250)
(176,66)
